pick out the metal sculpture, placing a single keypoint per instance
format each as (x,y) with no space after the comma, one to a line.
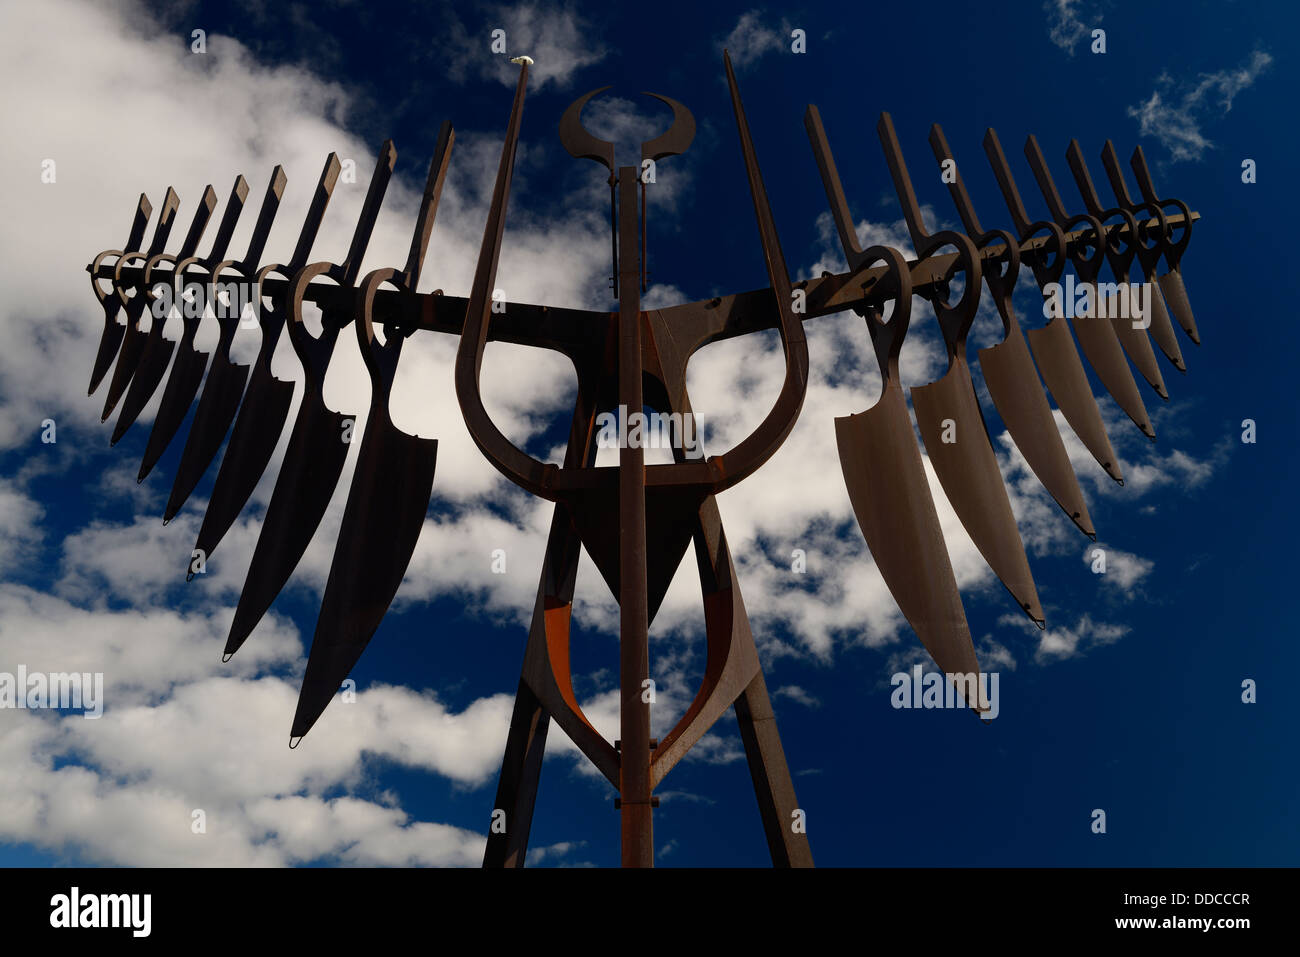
(634,358)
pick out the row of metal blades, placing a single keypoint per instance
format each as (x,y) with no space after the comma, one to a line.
(882,466)
(247,408)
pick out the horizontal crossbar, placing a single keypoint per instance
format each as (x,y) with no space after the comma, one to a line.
(571,331)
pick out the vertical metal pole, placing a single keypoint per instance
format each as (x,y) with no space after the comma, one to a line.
(634,649)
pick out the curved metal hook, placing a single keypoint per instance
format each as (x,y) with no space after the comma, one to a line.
(887,337)
(954,320)
(677,138)
(761,444)
(1174,248)
(579,143)
(518,466)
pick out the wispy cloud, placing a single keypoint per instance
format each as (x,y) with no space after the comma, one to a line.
(1065,28)
(751,38)
(1123,571)
(797,694)
(558,39)
(1175,112)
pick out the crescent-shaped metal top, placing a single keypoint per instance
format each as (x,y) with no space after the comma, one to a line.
(579,143)
(678,137)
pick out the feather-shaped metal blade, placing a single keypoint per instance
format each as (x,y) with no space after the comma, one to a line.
(321,437)
(1063,374)
(312,465)
(133,339)
(1013,385)
(1100,344)
(1175,294)
(891,499)
(381,523)
(178,395)
(218,404)
(158,349)
(187,369)
(952,428)
(1162,327)
(1131,331)
(110,339)
(253,439)
(390,489)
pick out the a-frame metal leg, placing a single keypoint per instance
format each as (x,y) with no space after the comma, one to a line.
(521,767)
(786,838)
(521,770)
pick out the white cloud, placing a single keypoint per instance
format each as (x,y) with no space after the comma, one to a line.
(797,694)
(558,39)
(1175,112)
(750,39)
(1071,641)
(1065,26)
(20,526)
(182,731)
(1124,570)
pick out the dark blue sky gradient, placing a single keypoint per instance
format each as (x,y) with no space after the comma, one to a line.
(1150,728)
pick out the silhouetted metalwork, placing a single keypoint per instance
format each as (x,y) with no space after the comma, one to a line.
(632,358)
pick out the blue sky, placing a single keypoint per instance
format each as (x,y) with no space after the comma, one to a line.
(1129,702)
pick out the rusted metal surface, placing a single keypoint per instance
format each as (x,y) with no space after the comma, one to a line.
(157,351)
(265,405)
(948,413)
(320,440)
(1008,367)
(891,495)
(1163,243)
(1130,325)
(1052,345)
(1096,335)
(636,521)
(133,340)
(111,336)
(224,387)
(189,364)
(390,491)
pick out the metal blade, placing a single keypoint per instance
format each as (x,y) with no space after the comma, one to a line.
(252,442)
(390,489)
(968,471)
(1137,346)
(1014,387)
(148,376)
(218,404)
(1062,370)
(110,341)
(134,344)
(111,337)
(1100,344)
(178,395)
(1162,327)
(891,499)
(1171,284)
(312,465)
(187,370)
(1175,293)
(381,523)
(128,357)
